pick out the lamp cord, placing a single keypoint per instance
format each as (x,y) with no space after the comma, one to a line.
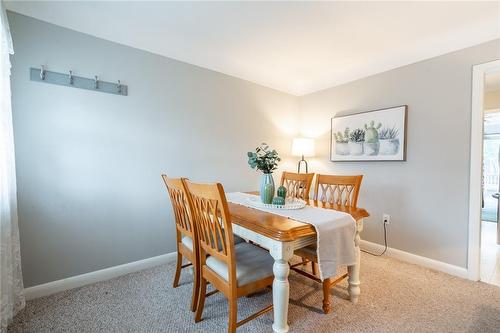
(385,245)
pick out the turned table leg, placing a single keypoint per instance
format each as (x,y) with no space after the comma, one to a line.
(282,253)
(353,270)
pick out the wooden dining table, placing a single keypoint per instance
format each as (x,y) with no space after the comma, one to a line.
(282,236)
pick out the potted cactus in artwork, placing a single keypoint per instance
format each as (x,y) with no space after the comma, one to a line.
(356,140)
(389,141)
(371,144)
(341,142)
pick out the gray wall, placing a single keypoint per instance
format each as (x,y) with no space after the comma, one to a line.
(88,164)
(427,196)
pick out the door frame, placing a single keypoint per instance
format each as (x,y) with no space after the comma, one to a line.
(476,166)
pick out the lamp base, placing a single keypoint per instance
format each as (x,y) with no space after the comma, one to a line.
(300,162)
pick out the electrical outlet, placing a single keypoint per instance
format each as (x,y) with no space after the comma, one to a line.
(386,218)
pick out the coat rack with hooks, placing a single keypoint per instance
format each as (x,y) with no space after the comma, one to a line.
(70,80)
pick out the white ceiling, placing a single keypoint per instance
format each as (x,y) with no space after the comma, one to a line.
(297,47)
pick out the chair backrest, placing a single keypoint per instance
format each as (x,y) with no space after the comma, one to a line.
(338,190)
(211,218)
(180,204)
(297,185)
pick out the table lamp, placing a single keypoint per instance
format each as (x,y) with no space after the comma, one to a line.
(303,147)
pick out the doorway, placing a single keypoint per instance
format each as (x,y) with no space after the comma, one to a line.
(483,215)
(490,228)
(491,148)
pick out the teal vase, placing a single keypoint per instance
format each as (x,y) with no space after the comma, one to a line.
(267,188)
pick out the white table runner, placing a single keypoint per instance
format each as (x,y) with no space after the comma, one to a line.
(335,232)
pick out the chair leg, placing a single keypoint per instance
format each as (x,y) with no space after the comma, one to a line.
(304,262)
(201,300)
(178,270)
(314,268)
(233,314)
(326,296)
(196,288)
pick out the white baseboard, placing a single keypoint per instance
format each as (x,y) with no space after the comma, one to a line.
(418,260)
(96,276)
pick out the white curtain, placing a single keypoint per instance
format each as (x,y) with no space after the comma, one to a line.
(11,282)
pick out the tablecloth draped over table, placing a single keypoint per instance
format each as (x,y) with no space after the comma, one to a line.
(335,232)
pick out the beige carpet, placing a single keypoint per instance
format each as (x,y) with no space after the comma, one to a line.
(396,297)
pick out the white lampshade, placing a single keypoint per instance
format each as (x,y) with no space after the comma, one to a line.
(303,147)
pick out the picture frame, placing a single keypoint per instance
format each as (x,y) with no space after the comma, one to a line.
(376,135)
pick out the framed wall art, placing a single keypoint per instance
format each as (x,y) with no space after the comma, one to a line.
(378,135)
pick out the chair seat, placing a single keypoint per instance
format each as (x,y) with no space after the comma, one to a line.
(252,264)
(188,241)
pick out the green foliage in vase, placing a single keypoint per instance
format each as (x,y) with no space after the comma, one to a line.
(358,135)
(263,159)
(342,137)
(387,133)
(371,132)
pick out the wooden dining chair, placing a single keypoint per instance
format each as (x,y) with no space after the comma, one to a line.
(187,241)
(337,191)
(235,270)
(297,185)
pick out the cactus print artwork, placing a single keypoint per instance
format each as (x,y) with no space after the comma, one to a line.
(378,135)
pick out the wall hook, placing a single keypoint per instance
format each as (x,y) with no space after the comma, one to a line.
(69,79)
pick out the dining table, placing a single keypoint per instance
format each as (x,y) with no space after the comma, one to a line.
(282,236)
